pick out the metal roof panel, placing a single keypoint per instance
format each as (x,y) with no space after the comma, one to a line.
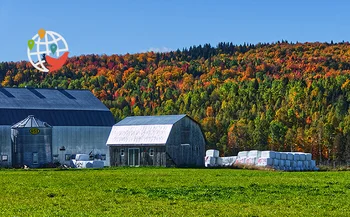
(150,120)
(139,135)
(55,106)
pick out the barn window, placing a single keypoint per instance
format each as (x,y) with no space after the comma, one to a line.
(103,157)
(35,158)
(4,158)
(55,157)
(185,135)
(68,157)
(122,152)
(151,152)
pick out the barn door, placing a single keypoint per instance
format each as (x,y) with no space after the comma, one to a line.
(134,157)
(186,153)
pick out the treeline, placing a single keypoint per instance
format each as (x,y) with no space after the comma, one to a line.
(281,96)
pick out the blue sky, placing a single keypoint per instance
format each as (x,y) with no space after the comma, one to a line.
(119,27)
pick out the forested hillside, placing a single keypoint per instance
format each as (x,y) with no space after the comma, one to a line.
(278,96)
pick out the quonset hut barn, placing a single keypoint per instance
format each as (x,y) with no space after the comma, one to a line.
(39,126)
(169,140)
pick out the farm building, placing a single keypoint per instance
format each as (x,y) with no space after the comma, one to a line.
(40,126)
(169,140)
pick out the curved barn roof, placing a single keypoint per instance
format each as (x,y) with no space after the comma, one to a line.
(143,130)
(150,120)
(55,106)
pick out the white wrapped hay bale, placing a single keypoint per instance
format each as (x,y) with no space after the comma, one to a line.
(296,156)
(294,164)
(287,163)
(210,161)
(312,164)
(212,153)
(308,156)
(300,164)
(302,156)
(283,156)
(282,168)
(290,156)
(268,154)
(306,165)
(219,161)
(263,162)
(277,155)
(228,161)
(276,162)
(254,153)
(240,160)
(250,160)
(243,154)
(282,163)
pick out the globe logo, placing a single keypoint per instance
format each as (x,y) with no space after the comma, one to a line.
(47,51)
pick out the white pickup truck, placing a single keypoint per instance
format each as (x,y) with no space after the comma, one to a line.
(83,161)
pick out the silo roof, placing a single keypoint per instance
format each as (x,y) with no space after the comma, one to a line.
(31,121)
(55,106)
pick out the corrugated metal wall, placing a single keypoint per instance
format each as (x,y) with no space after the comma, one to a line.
(27,144)
(5,146)
(120,155)
(79,140)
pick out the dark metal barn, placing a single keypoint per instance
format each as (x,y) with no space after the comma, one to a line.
(80,122)
(169,140)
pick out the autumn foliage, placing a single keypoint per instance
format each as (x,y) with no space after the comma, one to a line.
(282,96)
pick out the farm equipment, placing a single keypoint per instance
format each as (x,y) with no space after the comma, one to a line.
(83,161)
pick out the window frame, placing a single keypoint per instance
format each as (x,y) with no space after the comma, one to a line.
(151,152)
(69,157)
(4,157)
(103,157)
(36,154)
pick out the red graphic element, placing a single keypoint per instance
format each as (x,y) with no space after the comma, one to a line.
(56,64)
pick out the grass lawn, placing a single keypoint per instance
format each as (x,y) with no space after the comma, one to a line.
(173,192)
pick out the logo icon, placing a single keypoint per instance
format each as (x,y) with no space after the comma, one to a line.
(34,131)
(47,51)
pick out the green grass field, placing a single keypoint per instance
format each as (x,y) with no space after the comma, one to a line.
(173,192)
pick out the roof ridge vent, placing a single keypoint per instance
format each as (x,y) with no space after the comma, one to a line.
(68,95)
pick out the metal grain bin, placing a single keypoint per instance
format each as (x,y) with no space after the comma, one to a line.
(31,143)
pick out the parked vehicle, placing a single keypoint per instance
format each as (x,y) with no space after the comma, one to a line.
(83,161)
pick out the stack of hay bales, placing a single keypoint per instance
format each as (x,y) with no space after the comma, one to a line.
(212,159)
(226,161)
(252,157)
(241,157)
(287,161)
